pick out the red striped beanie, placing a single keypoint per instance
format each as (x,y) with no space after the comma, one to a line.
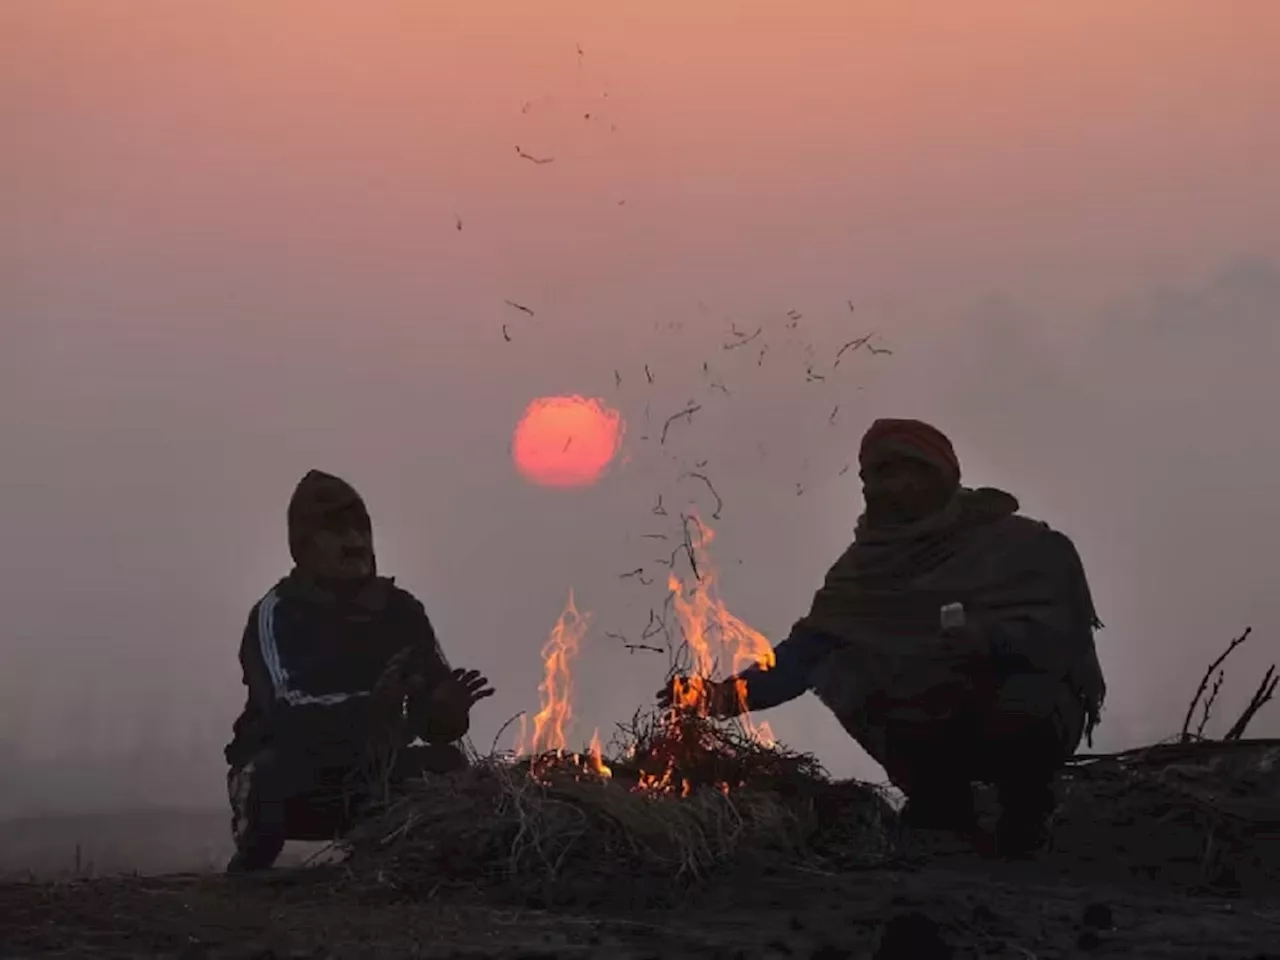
(914,437)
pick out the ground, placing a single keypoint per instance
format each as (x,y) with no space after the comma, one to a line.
(1166,852)
(948,903)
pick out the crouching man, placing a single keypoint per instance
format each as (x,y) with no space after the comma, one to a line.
(953,640)
(344,674)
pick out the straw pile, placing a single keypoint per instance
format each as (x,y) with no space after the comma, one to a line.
(550,822)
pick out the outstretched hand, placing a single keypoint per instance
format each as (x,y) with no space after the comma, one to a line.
(464,688)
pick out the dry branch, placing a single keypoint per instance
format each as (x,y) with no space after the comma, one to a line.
(1204,682)
(1266,690)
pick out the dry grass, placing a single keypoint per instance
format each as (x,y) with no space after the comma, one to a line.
(498,822)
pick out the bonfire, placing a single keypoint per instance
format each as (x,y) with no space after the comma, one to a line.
(676,793)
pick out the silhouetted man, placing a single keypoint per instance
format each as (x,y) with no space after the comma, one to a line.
(953,640)
(343,673)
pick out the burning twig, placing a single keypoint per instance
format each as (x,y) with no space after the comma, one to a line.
(532,159)
(519,306)
(1266,690)
(687,413)
(1186,723)
(743,339)
(715,515)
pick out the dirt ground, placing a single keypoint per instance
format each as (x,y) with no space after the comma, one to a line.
(1162,853)
(949,902)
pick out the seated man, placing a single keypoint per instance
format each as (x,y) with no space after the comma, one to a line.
(953,640)
(343,673)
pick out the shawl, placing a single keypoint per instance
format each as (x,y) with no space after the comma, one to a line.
(881,599)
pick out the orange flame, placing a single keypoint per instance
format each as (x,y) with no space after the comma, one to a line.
(550,724)
(595,754)
(702,615)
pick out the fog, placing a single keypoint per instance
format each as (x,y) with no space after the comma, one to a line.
(232,254)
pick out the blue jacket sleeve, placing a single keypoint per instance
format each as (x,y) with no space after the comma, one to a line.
(789,677)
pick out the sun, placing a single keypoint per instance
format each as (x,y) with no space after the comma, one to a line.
(566,441)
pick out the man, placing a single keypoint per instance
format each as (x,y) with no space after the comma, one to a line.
(953,640)
(343,672)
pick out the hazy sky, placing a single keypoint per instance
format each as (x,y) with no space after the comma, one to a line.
(231,254)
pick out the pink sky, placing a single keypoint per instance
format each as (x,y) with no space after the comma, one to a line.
(231,254)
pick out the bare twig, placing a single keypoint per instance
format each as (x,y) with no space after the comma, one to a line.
(532,159)
(687,413)
(810,376)
(1208,704)
(715,515)
(1185,736)
(637,572)
(654,536)
(519,306)
(648,374)
(688,543)
(506,334)
(1266,690)
(503,729)
(852,345)
(659,509)
(743,339)
(834,410)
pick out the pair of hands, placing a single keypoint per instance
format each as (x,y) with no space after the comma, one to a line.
(453,696)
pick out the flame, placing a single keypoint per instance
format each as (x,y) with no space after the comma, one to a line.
(718,643)
(703,615)
(595,754)
(550,724)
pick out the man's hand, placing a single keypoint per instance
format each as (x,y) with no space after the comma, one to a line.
(449,704)
(462,690)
